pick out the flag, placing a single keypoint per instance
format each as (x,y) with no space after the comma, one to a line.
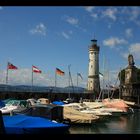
(101,74)
(59,72)
(36,70)
(80,75)
(11,66)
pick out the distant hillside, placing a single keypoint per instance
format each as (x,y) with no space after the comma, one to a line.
(28,88)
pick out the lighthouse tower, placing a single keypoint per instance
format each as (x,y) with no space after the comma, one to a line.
(93,72)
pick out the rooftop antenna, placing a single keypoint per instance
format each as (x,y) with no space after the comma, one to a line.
(93,36)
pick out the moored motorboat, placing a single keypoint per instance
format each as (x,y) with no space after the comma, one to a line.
(2,104)
(73,111)
(23,124)
(13,105)
(117,104)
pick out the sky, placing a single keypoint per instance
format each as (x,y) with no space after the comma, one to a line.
(51,37)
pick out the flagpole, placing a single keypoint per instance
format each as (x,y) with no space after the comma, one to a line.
(55,78)
(120,83)
(69,79)
(77,79)
(7,75)
(104,62)
(32,78)
(77,82)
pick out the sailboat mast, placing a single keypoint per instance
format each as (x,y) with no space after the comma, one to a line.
(69,80)
(77,79)
(120,83)
(7,75)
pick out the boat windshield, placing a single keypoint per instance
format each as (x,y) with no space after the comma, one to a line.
(14,103)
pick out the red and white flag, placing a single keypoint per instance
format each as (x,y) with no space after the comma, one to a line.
(11,66)
(36,70)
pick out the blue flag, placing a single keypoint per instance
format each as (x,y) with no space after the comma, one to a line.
(80,75)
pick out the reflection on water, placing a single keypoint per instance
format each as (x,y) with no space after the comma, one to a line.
(125,124)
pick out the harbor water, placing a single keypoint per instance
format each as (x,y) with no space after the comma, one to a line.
(124,124)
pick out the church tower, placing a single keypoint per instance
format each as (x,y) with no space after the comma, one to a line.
(93,71)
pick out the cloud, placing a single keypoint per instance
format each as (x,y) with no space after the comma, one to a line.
(119,14)
(72,21)
(110,13)
(39,29)
(94,15)
(135,12)
(125,55)
(134,15)
(129,32)
(1,7)
(89,8)
(131,13)
(135,50)
(65,35)
(113,41)
(23,76)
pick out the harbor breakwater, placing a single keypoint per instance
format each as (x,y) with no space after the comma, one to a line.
(49,95)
